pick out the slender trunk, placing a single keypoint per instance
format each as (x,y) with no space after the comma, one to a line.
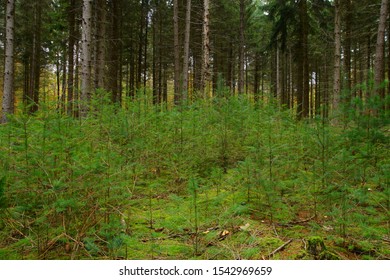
(347,46)
(241,48)
(337,57)
(145,68)
(100,44)
(71,43)
(154,55)
(379,51)
(8,89)
(186,50)
(86,56)
(305,50)
(206,49)
(140,46)
(176,51)
(34,64)
(114,64)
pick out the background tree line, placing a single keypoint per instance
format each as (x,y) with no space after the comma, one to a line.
(308,55)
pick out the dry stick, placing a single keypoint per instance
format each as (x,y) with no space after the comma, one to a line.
(280,248)
(303,221)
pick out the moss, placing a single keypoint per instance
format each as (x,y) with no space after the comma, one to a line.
(268,244)
(315,246)
(317,249)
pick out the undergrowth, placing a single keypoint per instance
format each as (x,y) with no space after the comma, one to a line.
(216,179)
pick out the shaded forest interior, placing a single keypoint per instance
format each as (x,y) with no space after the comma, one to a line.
(194,129)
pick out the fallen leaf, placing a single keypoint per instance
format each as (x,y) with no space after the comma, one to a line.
(245,227)
(159,229)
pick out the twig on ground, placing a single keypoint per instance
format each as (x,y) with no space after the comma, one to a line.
(279,248)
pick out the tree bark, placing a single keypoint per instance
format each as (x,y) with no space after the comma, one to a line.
(114,64)
(379,51)
(71,42)
(241,48)
(206,49)
(100,58)
(337,56)
(303,65)
(186,50)
(347,45)
(34,60)
(8,89)
(176,48)
(86,56)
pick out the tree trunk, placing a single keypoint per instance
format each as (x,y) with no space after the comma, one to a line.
(379,51)
(206,49)
(176,48)
(186,50)
(35,60)
(347,46)
(8,89)
(86,56)
(71,43)
(241,53)
(114,65)
(303,67)
(337,56)
(100,58)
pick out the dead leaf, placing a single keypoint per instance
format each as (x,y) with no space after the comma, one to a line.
(245,227)
(223,234)
(159,229)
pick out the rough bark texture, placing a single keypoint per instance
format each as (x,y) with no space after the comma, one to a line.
(86,56)
(8,90)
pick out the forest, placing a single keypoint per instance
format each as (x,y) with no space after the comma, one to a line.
(194,129)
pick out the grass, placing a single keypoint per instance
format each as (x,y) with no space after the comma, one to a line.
(218,179)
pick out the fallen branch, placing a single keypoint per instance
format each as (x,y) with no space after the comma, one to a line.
(303,221)
(279,248)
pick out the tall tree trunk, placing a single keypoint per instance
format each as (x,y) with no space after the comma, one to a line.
(8,89)
(303,65)
(337,56)
(176,48)
(186,50)
(35,60)
(306,75)
(145,42)
(100,58)
(379,51)
(241,54)
(206,49)
(86,56)
(114,65)
(347,46)
(71,43)
(154,55)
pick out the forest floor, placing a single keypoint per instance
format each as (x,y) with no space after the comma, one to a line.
(220,180)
